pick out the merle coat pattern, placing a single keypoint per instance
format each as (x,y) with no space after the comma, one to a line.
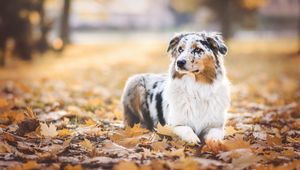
(193,98)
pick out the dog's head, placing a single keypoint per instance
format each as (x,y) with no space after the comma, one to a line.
(197,53)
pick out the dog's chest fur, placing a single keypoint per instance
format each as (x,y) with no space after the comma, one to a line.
(197,105)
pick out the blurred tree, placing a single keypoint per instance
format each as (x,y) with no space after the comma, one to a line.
(45,26)
(19,20)
(65,29)
(227,12)
(15,24)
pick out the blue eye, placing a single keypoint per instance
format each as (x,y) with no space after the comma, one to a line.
(198,50)
(180,50)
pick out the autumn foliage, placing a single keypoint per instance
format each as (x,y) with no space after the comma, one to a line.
(65,113)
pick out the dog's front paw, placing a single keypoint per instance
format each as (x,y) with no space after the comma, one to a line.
(191,138)
(215,134)
(186,134)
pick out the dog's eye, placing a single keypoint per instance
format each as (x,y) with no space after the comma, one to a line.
(198,50)
(180,50)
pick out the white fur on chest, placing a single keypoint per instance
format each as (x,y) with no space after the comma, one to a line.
(199,106)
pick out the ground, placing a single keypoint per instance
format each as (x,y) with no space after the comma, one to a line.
(62,110)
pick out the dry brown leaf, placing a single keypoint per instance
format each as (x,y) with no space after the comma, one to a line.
(230,130)
(124,165)
(236,142)
(215,145)
(136,130)
(30,114)
(186,164)
(87,144)
(48,131)
(245,160)
(159,146)
(26,126)
(178,152)
(5,148)
(128,142)
(165,130)
(273,140)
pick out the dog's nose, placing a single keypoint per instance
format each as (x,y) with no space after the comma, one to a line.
(181,63)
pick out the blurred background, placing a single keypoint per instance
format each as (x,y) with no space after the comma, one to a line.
(35,26)
(97,44)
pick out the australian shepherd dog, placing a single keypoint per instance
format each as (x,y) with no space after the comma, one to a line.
(192,98)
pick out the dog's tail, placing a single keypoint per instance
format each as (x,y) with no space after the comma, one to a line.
(134,100)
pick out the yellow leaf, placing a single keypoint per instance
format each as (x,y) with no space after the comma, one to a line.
(292,140)
(125,166)
(75,167)
(230,130)
(31,165)
(165,130)
(64,132)
(87,145)
(136,130)
(90,122)
(48,131)
(30,113)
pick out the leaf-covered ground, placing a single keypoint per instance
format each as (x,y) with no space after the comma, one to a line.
(62,111)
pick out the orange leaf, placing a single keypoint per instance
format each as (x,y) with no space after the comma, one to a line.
(273,140)
(75,167)
(125,166)
(31,165)
(236,142)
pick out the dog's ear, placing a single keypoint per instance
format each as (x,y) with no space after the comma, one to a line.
(216,43)
(174,41)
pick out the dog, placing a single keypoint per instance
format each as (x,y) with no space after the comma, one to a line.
(193,98)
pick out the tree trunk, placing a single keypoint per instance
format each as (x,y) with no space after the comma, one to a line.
(42,44)
(225,19)
(65,30)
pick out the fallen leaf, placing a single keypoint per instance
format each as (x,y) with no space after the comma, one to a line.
(124,165)
(3,103)
(26,126)
(48,131)
(73,167)
(165,130)
(136,130)
(88,145)
(5,148)
(30,165)
(236,142)
(215,145)
(64,132)
(230,130)
(273,140)
(245,161)
(90,122)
